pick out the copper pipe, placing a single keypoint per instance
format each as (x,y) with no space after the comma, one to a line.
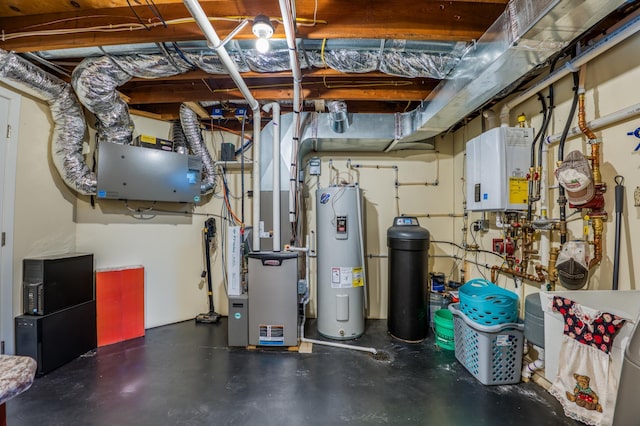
(539,277)
(595,163)
(582,120)
(552,272)
(597,225)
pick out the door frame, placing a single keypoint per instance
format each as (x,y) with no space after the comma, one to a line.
(7,192)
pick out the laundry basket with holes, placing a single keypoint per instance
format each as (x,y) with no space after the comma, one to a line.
(492,354)
(488,304)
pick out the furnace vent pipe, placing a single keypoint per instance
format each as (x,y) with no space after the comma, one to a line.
(215,43)
(276,172)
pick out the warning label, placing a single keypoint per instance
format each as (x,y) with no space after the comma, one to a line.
(518,190)
(346,277)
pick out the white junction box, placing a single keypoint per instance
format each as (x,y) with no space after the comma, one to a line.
(496,170)
(234,244)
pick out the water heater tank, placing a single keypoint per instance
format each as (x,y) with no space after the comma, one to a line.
(341,280)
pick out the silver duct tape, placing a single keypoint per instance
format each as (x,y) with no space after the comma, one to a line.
(191,129)
(68,117)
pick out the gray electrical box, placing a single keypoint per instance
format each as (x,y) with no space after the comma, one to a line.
(273,296)
(127,172)
(238,321)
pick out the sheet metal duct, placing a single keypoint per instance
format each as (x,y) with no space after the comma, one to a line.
(521,39)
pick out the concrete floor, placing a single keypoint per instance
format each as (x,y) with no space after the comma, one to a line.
(184,374)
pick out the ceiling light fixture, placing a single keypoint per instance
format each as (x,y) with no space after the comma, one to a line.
(262,29)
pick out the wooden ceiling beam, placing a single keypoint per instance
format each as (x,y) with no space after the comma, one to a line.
(144,96)
(393,19)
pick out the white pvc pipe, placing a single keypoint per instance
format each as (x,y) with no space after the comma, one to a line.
(545,243)
(214,41)
(596,50)
(529,369)
(276,172)
(289,31)
(620,115)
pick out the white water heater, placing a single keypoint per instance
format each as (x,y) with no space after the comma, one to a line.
(340,254)
(497,163)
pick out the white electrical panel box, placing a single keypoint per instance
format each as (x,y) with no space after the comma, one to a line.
(496,170)
(234,244)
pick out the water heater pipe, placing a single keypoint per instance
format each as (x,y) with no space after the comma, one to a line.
(194,8)
(594,51)
(276,172)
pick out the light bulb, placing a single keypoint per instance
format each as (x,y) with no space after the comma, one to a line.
(262,45)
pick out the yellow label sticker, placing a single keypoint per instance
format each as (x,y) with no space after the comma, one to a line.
(148,139)
(358,280)
(518,190)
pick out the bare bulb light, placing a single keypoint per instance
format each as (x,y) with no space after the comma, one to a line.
(262,45)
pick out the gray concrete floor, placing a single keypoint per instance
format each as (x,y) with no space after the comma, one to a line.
(184,374)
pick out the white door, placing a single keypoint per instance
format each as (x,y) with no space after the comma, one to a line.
(9,113)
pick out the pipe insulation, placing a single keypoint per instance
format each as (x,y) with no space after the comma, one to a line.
(191,128)
(68,118)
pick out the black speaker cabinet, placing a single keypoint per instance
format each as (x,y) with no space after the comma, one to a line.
(55,339)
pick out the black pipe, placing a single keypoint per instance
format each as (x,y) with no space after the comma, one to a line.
(616,253)
(562,200)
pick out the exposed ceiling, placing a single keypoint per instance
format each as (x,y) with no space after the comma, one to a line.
(378,56)
(361,28)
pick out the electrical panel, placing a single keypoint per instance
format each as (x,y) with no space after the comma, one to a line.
(497,163)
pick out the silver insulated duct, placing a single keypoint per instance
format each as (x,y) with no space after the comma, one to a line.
(191,129)
(66,111)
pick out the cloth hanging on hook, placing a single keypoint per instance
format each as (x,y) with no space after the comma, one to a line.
(586,384)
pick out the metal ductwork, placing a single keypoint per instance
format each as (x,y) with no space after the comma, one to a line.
(68,117)
(521,39)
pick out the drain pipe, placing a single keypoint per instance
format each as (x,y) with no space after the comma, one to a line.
(276,172)
(305,302)
(532,367)
(194,8)
(289,31)
(624,32)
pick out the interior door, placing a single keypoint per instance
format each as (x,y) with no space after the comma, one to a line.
(9,114)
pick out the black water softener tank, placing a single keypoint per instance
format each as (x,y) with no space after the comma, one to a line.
(407,315)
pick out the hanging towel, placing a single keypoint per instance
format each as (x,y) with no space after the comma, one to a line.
(586,384)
